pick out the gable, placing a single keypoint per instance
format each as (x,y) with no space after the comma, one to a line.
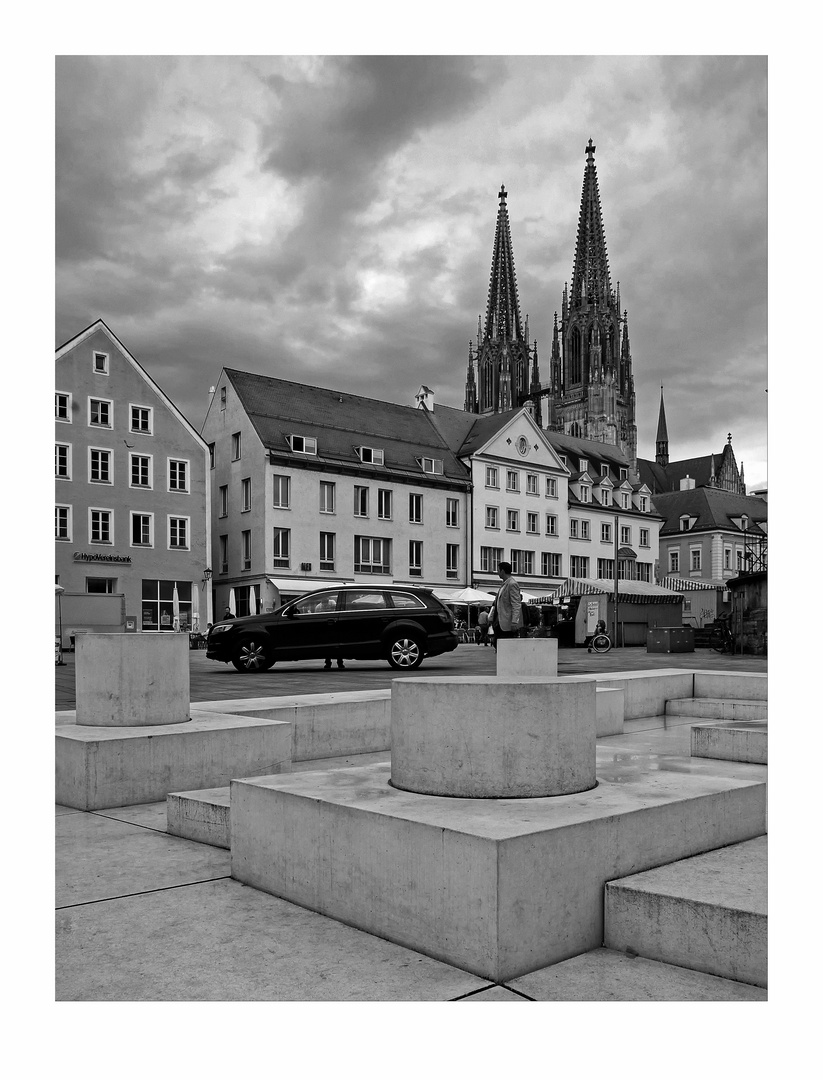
(520,442)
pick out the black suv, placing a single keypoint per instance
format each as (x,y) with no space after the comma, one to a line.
(343,622)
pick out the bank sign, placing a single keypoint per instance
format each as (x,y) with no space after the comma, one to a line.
(93,556)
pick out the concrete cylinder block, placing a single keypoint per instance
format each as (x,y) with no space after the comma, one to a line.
(518,657)
(489,737)
(132,680)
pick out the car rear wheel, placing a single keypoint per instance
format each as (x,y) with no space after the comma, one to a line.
(405,653)
(251,655)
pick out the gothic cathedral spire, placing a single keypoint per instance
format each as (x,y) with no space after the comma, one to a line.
(594,397)
(661,453)
(507,370)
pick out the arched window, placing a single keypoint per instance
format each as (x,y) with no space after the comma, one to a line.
(576,369)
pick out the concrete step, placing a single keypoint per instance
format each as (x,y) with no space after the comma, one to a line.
(717,708)
(607,975)
(746,740)
(707,912)
(200,815)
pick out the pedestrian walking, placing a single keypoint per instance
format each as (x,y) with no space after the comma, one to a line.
(483,627)
(507,614)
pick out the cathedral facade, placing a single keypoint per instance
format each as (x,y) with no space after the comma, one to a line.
(590,391)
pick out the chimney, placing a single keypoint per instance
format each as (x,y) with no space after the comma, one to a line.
(687,484)
(425,399)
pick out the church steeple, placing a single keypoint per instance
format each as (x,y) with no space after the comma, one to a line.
(661,453)
(507,369)
(590,279)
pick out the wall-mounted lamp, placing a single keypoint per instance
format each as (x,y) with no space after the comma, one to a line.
(207,575)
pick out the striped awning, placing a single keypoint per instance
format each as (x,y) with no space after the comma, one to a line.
(635,592)
(672,581)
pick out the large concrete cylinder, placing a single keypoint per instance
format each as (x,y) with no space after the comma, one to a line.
(489,737)
(132,680)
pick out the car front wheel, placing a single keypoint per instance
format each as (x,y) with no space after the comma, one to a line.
(405,653)
(251,655)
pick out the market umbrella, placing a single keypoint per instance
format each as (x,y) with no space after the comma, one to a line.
(231,601)
(175,608)
(195,613)
(472,596)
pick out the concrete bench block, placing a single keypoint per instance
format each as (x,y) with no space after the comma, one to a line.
(732,742)
(496,887)
(200,815)
(323,725)
(718,708)
(646,692)
(609,710)
(527,657)
(132,680)
(100,767)
(487,737)
(707,913)
(753,685)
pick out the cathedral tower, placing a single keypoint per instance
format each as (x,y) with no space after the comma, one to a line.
(503,369)
(594,398)
(661,451)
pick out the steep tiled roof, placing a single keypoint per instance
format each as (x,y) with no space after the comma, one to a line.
(667,477)
(712,507)
(341,421)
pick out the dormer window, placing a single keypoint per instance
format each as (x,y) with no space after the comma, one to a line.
(604,469)
(685,524)
(301,444)
(431,465)
(744,523)
(584,464)
(585,493)
(563,459)
(644,504)
(624,474)
(370,456)
(605,496)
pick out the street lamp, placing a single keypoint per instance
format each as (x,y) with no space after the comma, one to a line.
(207,575)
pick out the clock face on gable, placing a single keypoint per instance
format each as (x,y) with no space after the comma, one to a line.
(523,446)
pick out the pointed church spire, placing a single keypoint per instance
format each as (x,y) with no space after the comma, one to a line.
(662,441)
(470,404)
(503,306)
(590,277)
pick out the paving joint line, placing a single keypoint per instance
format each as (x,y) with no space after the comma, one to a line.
(143,892)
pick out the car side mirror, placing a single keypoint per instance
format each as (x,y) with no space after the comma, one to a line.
(290,613)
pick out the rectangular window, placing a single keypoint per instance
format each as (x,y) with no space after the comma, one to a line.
(224,500)
(236,446)
(157,604)
(740,561)
(580,566)
(532,523)
(431,465)
(416,509)
(522,562)
(452,513)
(281,548)
(585,529)
(100,412)
(326,551)
(100,363)
(384,501)
(62,407)
(727,558)
(62,461)
(696,558)
(491,477)
(281,488)
(531,484)
(605,569)
(370,456)
(604,469)
(644,571)
(490,558)
(550,564)
(584,464)
(585,494)
(605,497)
(551,487)
(361,502)
(62,523)
(100,527)
(644,537)
(452,559)
(245,549)
(372,555)
(104,585)
(625,534)
(574,528)
(141,530)
(512,521)
(140,470)
(674,562)
(644,504)
(415,558)
(224,554)
(491,517)
(605,531)
(624,474)
(327,489)
(551,525)
(222,397)
(626,500)
(140,419)
(512,480)
(100,466)
(300,444)
(245,495)
(178,475)
(179,533)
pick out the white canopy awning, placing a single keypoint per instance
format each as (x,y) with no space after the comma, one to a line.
(298,586)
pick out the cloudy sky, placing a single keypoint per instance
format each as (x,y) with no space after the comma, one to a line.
(331,219)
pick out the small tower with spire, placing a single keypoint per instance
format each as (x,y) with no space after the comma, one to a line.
(506,366)
(661,451)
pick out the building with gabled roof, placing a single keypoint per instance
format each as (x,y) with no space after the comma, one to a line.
(132,533)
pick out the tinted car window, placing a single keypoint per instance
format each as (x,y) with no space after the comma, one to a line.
(404,600)
(313,604)
(365,600)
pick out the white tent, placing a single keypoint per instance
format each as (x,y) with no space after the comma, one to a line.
(472,596)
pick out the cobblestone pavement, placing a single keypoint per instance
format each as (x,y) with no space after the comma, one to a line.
(212,681)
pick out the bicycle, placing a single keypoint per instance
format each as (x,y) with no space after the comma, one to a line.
(722,639)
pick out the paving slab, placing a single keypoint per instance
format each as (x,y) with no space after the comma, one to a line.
(223,941)
(101,858)
(149,815)
(495,993)
(608,975)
